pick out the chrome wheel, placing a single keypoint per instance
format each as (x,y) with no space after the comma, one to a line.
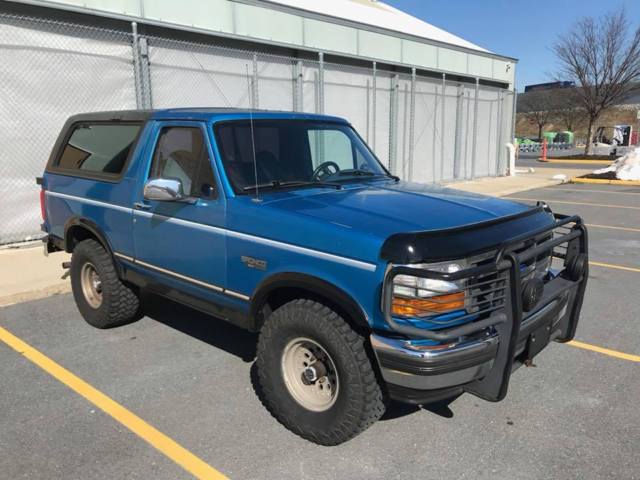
(310,374)
(91,285)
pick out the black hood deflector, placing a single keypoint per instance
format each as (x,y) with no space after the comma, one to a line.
(464,241)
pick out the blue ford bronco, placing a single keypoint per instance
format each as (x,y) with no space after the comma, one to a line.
(363,288)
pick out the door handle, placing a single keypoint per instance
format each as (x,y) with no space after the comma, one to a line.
(142,206)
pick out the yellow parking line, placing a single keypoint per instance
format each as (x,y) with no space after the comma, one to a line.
(183,457)
(617,267)
(579,203)
(605,351)
(626,229)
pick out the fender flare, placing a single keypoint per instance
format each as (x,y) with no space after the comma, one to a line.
(93,229)
(316,286)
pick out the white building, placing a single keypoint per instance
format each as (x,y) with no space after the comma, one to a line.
(434,106)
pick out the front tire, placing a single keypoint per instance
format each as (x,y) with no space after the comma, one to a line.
(103,300)
(315,375)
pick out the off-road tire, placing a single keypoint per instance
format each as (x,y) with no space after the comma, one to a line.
(359,402)
(120,304)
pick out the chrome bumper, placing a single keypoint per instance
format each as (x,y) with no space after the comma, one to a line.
(405,365)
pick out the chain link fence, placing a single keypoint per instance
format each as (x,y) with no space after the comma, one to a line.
(424,129)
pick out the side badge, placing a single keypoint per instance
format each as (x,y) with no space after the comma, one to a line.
(254,262)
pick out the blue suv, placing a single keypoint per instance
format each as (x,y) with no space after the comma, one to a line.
(363,288)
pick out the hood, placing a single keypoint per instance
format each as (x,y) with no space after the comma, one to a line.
(385,208)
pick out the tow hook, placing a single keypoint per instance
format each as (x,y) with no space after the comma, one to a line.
(67,267)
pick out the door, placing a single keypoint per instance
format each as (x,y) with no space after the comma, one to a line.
(183,240)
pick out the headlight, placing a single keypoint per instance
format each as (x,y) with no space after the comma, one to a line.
(421,297)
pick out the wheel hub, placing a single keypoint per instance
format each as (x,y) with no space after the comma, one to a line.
(91,285)
(310,374)
(314,372)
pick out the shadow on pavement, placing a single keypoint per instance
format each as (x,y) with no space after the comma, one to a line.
(214,331)
(241,343)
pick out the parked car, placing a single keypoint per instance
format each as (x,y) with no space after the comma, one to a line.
(363,288)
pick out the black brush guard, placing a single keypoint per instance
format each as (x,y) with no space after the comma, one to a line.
(506,316)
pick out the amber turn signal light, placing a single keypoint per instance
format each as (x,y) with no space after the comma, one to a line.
(420,307)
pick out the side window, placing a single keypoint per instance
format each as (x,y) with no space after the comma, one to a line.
(181,153)
(98,148)
(331,145)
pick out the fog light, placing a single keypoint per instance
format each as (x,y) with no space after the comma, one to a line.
(532,293)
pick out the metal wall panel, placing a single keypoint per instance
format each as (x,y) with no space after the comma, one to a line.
(330,37)
(214,15)
(266,24)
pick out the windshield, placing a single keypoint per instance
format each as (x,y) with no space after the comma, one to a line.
(293,153)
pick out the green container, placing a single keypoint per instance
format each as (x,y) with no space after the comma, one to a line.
(549,136)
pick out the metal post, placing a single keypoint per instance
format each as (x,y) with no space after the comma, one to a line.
(373,107)
(442,125)
(255,100)
(466,135)
(145,68)
(514,113)
(405,123)
(475,130)
(499,134)
(141,69)
(368,111)
(137,74)
(412,122)
(298,106)
(434,118)
(457,143)
(393,126)
(321,81)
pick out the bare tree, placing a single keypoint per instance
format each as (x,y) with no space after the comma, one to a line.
(603,58)
(569,111)
(537,107)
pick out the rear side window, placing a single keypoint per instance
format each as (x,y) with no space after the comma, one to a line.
(98,149)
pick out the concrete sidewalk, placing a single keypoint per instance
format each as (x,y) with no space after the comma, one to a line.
(26,274)
(501,186)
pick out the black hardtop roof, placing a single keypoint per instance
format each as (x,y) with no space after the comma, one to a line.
(188,113)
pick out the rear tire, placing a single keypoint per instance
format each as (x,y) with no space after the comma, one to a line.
(102,298)
(330,411)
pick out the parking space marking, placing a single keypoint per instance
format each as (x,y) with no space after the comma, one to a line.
(605,351)
(183,457)
(625,229)
(579,203)
(574,190)
(617,267)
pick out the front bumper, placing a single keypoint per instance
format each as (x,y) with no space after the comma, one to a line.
(479,356)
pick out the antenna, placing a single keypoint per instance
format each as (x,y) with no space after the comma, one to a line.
(253,140)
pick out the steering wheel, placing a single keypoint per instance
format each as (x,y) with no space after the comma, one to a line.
(325,169)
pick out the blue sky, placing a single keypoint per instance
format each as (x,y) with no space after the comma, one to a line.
(516,28)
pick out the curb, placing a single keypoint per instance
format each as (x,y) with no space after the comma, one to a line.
(602,181)
(585,161)
(58,289)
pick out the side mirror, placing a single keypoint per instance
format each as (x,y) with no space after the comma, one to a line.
(164,190)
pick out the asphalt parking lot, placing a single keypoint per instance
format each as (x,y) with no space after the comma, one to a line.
(188,379)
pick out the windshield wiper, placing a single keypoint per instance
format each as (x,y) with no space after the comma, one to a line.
(292,183)
(366,173)
(357,173)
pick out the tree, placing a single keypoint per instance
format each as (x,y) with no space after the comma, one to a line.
(569,109)
(603,58)
(537,107)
